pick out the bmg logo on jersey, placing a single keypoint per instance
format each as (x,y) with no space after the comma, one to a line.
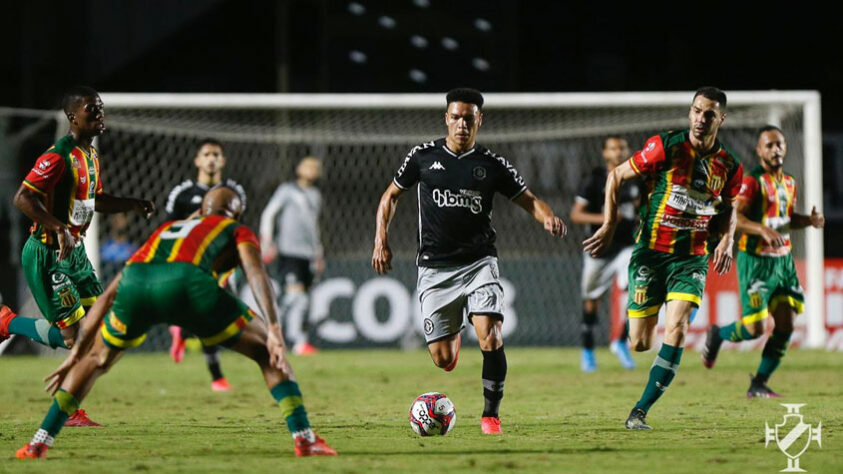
(793,436)
(466,199)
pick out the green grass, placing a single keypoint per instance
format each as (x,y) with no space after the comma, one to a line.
(162,417)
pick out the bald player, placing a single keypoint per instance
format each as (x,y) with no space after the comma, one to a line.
(170,280)
(291,243)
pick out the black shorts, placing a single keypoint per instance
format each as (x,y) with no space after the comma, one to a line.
(294,271)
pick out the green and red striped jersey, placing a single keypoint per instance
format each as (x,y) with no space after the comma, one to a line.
(684,191)
(208,242)
(68,180)
(770,202)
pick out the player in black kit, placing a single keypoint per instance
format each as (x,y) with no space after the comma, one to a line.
(458,269)
(183,201)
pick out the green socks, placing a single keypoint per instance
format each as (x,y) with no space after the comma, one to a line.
(661,374)
(736,332)
(64,404)
(289,398)
(39,330)
(772,354)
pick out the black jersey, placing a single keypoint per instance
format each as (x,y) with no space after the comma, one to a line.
(455,200)
(592,193)
(187,196)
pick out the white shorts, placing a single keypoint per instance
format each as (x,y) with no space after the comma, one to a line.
(599,273)
(450,294)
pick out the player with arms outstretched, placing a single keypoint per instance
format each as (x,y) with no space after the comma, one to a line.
(171,280)
(766,272)
(690,177)
(182,202)
(60,195)
(458,266)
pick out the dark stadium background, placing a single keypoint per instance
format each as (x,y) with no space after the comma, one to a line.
(334,46)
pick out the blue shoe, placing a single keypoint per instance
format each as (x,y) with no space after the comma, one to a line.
(587,361)
(620,349)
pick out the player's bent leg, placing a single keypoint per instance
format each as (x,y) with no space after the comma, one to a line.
(666,362)
(445,352)
(251,342)
(488,330)
(774,350)
(76,386)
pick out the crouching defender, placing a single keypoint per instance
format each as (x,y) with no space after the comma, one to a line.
(170,280)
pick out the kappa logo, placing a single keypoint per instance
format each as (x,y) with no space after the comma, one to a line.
(196,199)
(44,165)
(793,436)
(437,166)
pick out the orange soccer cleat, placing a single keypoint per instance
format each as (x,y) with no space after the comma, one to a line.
(491,425)
(304,349)
(32,451)
(221,385)
(317,447)
(6,317)
(79,418)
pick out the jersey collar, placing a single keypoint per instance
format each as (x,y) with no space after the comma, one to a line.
(448,150)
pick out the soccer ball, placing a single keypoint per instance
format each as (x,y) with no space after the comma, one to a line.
(432,414)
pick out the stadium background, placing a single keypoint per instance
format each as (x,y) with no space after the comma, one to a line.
(380,46)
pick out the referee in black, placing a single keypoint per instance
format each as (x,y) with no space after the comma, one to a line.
(184,200)
(457,259)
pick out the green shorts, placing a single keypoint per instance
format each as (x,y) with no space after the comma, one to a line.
(658,277)
(177,294)
(63,289)
(766,282)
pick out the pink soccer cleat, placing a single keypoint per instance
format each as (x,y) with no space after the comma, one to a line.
(491,425)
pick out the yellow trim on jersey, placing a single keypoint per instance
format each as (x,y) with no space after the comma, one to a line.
(118,342)
(789,300)
(678,296)
(175,250)
(72,319)
(635,167)
(89,301)
(230,331)
(153,249)
(644,313)
(209,238)
(660,212)
(755,317)
(73,187)
(34,188)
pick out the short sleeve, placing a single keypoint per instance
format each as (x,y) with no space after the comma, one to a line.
(733,187)
(511,183)
(650,158)
(408,174)
(749,190)
(48,170)
(585,193)
(99,176)
(244,235)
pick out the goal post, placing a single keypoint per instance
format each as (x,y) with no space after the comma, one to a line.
(553,138)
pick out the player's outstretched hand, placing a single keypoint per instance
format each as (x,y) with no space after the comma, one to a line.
(277,349)
(382,258)
(556,226)
(144,208)
(723,256)
(55,379)
(773,238)
(66,243)
(597,243)
(817,219)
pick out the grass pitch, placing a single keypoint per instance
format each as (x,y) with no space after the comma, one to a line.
(162,417)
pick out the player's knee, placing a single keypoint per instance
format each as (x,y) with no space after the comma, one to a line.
(443,360)
(69,342)
(639,344)
(755,329)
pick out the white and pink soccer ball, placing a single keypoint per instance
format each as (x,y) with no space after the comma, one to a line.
(432,414)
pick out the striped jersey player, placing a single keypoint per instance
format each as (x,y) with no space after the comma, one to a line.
(171,279)
(766,272)
(690,177)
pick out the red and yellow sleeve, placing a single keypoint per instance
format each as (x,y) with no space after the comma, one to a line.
(734,188)
(244,235)
(99,177)
(648,159)
(46,173)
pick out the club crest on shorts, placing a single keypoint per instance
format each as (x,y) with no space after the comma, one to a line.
(66,298)
(793,436)
(640,296)
(428,326)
